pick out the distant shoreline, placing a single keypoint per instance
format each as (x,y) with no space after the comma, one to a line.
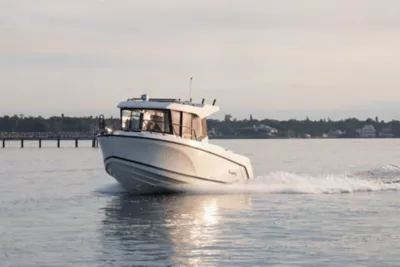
(314,137)
(210,138)
(229,128)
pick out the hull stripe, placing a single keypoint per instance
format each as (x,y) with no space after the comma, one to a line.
(162,169)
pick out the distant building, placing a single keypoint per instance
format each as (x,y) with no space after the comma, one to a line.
(368,131)
(261,130)
(335,133)
(267,129)
(213,133)
(386,132)
(247,131)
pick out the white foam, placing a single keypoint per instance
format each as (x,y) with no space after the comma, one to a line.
(284,182)
(387,171)
(386,178)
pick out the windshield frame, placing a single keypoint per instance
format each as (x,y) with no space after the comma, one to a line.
(145,125)
(168,125)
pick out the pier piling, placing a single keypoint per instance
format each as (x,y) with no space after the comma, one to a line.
(21,141)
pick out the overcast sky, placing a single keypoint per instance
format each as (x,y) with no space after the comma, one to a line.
(280,59)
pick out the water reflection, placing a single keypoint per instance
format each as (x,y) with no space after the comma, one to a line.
(181,230)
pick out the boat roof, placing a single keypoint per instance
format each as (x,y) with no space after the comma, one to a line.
(202,110)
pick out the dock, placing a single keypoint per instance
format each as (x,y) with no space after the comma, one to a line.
(55,138)
(95,142)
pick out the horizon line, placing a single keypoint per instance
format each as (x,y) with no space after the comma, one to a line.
(209,118)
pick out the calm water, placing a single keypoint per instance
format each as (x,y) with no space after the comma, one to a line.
(313,203)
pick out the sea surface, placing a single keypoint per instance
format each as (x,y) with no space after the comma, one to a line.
(312,203)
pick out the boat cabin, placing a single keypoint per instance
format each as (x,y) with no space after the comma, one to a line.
(167,116)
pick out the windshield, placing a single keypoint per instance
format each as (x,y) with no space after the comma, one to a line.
(145,120)
(131,120)
(185,125)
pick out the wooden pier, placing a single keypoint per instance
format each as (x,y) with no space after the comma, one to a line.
(95,142)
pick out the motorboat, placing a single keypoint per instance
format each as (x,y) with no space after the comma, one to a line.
(162,145)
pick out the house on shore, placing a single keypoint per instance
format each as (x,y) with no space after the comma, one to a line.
(367,131)
(386,132)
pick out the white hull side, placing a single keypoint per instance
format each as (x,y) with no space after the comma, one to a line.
(143,164)
(142,179)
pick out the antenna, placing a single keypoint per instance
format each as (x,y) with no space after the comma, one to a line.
(190,92)
(215,100)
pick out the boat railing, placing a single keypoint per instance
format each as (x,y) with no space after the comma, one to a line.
(102,122)
(172,100)
(102,127)
(165,100)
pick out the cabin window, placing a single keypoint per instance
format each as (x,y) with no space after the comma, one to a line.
(145,120)
(199,127)
(130,120)
(186,125)
(196,126)
(176,122)
(156,121)
(187,131)
(204,132)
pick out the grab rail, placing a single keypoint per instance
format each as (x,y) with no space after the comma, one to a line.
(102,125)
(102,122)
(155,127)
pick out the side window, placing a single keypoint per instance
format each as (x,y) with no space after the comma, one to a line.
(156,121)
(176,122)
(204,128)
(130,120)
(192,126)
(196,125)
(187,126)
(124,119)
(135,120)
(199,127)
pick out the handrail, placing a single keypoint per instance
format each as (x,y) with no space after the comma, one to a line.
(173,100)
(158,130)
(193,131)
(102,123)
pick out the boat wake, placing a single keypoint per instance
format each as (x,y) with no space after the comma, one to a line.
(386,178)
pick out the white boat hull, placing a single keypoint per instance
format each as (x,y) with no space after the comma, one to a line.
(152,162)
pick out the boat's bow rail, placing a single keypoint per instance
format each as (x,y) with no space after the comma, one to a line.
(102,127)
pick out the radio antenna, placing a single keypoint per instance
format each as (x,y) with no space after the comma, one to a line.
(190,92)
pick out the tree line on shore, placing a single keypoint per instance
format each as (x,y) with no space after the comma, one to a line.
(320,127)
(228,126)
